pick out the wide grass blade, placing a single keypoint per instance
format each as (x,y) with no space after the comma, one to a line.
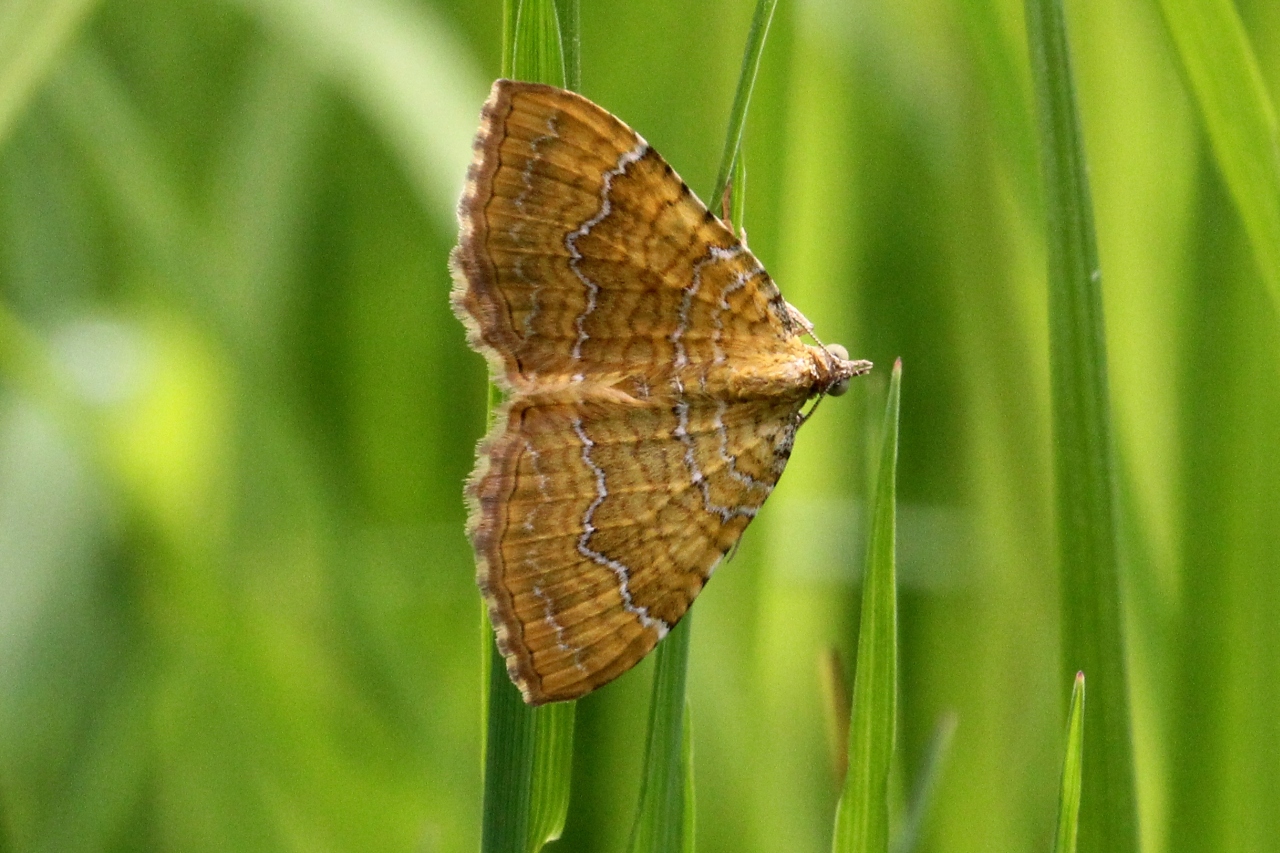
(660,819)
(862,817)
(1093,634)
(510,754)
(1072,763)
(32,35)
(528,751)
(539,52)
(527,766)
(1238,115)
(552,772)
(570,36)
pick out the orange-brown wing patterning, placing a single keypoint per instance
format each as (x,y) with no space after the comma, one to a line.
(654,379)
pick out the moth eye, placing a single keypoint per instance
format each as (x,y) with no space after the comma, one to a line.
(839,388)
(842,354)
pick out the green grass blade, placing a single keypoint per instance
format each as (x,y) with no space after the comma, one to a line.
(862,817)
(509,9)
(510,753)
(737,202)
(552,772)
(660,818)
(528,751)
(527,769)
(742,97)
(571,41)
(686,758)
(528,758)
(32,35)
(1072,762)
(539,51)
(1238,116)
(1093,635)
(922,793)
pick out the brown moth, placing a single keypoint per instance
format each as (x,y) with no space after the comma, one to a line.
(654,380)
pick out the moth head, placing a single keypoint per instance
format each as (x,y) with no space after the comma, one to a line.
(842,369)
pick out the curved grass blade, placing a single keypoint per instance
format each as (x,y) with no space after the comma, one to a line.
(1093,634)
(405,68)
(32,34)
(528,751)
(862,817)
(760,21)
(1238,115)
(1072,763)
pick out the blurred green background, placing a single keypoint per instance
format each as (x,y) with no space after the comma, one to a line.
(236,603)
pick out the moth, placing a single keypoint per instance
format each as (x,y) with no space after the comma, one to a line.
(653,377)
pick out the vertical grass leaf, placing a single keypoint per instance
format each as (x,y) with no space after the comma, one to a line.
(738,196)
(1238,117)
(528,751)
(660,818)
(862,816)
(571,41)
(509,10)
(686,758)
(552,771)
(510,754)
(1093,635)
(1072,763)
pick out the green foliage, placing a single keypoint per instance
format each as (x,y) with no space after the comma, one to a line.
(862,818)
(237,607)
